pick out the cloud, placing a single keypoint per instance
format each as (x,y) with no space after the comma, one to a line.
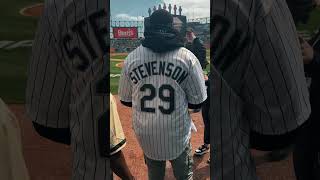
(127,17)
(192,8)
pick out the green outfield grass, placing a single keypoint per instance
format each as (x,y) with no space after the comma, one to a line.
(114,81)
(13,63)
(119,56)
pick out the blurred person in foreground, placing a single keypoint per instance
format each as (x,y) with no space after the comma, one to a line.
(259,96)
(307,148)
(12,164)
(117,143)
(66,90)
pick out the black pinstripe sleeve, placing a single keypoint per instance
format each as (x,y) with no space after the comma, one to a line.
(48,86)
(276,76)
(257,81)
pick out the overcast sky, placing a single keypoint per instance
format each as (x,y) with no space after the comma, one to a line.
(137,9)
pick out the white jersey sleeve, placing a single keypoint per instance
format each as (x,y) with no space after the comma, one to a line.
(194,85)
(125,86)
(117,137)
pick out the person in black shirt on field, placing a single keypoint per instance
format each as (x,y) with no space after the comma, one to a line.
(195,45)
(306,151)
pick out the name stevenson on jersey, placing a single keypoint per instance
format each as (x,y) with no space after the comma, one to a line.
(161,68)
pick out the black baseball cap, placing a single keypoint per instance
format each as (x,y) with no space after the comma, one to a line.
(161,19)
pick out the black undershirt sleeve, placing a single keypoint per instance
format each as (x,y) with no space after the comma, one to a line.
(129,104)
(194,106)
(59,135)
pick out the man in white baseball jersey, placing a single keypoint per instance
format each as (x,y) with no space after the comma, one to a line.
(67,94)
(258,86)
(160,80)
(117,143)
(12,164)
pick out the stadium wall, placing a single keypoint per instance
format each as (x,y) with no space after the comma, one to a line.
(201,26)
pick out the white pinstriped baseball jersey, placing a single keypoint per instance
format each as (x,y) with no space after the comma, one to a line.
(160,86)
(257,81)
(65,87)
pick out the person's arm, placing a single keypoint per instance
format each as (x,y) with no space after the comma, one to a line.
(275,90)
(194,84)
(48,86)
(313,68)
(125,87)
(311,58)
(119,166)
(315,64)
(117,143)
(117,160)
(316,60)
(200,52)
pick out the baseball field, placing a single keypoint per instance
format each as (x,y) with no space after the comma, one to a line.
(16,35)
(51,161)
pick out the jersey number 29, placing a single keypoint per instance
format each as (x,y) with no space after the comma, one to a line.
(161,93)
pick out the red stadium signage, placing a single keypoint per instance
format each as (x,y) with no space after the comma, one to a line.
(125,32)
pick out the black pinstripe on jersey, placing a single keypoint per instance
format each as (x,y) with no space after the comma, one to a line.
(156,85)
(260,88)
(59,94)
